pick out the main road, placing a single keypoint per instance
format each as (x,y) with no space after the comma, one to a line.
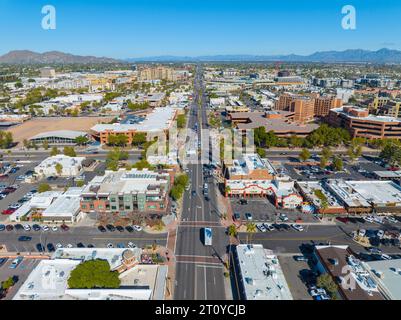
(199,268)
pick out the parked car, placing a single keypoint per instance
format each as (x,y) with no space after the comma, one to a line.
(2,227)
(374,250)
(120,228)
(59,245)
(283,217)
(64,227)
(15,263)
(391,219)
(137,228)
(380,233)
(261,227)
(129,229)
(236,216)
(243,201)
(131,245)
(3,261)
(300,258)
(101,229)
(36,227)
(248,216)
(8,211)
(110,245)
(24,238)
(317,292)
(269,227)
(9,227)
(297,227)
(54,228)
(45,228)
(368,219)
(110,227)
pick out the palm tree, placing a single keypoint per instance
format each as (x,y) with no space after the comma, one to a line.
(250,229)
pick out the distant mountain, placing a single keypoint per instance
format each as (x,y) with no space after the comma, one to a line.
(353,55)
(51,57)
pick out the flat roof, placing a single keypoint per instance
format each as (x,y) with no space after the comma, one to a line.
(65,134)
(387,273)
(261,274)
(159,119)
(309,187)
(370,117)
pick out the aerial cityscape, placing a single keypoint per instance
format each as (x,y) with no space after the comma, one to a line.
(148,169)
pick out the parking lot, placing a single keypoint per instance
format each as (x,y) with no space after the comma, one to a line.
(294,272)
(76,237)
(20,273)
(263,210)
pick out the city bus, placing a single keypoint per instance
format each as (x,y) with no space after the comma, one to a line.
(207,236)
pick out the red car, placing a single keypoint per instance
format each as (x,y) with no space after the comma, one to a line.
(64,227)
(8,211)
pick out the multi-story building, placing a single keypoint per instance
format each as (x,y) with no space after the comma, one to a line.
(47,72)
(125,191)
(156,73)
(324,104)
(160,119)
(60,165)
(360,123)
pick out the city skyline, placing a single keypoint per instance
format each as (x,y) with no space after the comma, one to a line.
(193,28)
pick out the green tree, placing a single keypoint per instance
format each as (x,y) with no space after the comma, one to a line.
(323,162)
(182,180)
(250,229)
(5,285)
(391,153)
(139,139)
(81,140)
(69,151)
(93,274)
(337,164)
(232,231)
(43,187)
(59,168)
(304,155)
(45,145)
(326,281)
(176,192)
(326,152)
(181,121)
(355,149)
(54,151)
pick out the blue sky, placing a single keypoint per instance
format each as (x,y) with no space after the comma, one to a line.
(135,28)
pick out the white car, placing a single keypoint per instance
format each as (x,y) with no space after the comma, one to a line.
(54,228)
(45,228)
(59,245)
(110,245)
(137,228)
(317,292)
(283,217)
(380,233)
(391,219)
(70,246)
(362,232)
(385,256)
(131,245)
(297,227)
(368,219)
(269,227)
(378,219)
(261,227)
(27,227)
(14,205)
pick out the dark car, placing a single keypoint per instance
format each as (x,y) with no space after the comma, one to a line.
(50,247)
(36,227)
(40,247)
(236,216)
(24,238)
(285,226)
(2,227)
(18,226)
(120,228)
(101,229)
(110,227)
(3,261)
(193,193)
(277,226)
(243,201)
(90,246)
(9,227)
(129,229)
(64,227)
(80,245)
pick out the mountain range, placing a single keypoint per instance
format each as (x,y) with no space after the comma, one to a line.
(51,57)
(352,55)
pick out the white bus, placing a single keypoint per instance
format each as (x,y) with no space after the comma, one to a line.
(207,236)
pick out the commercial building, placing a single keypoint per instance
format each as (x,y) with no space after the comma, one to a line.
(283,123)
(387,275)
(323,105)
(366,196)
(340,263)
(362,124)
(125,191)
(251,176)
(59,137)
(160,119)
(51,207)
(320,197)
(70,166)
(138,281)
(259,274)
(47,72)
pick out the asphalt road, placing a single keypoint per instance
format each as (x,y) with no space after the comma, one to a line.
(199,268)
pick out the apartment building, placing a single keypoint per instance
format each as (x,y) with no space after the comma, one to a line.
(162,73)
(323,105)
(126,191)
(360,123)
